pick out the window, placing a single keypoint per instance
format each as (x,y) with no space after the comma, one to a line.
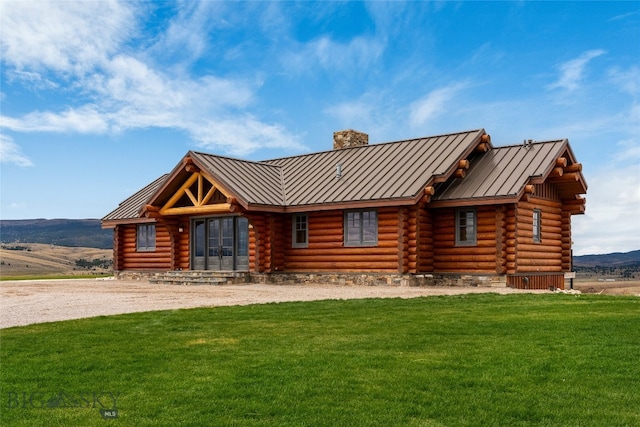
(146,238)
(300,231)
(360,228)
(537,225)
(466,227)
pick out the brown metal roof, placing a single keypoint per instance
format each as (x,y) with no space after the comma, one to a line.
(503,172)
(253,183)
(390,171)
(130,208)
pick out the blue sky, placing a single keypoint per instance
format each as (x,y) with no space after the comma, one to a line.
(100,98)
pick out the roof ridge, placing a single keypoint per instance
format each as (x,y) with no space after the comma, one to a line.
(532,142)
(235,159)
(431,136)
(368,146)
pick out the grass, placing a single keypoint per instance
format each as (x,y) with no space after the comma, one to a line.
(475,360)
(55,276)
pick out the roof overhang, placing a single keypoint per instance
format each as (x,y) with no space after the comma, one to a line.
(185,176)
(112,223)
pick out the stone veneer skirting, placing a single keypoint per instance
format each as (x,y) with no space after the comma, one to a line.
(339,279)
(379,279)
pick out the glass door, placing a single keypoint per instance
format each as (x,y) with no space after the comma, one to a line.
(198,252)
(220,243)
(226,241)
(214,248)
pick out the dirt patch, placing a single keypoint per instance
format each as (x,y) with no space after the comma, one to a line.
(622,287)
(38,301)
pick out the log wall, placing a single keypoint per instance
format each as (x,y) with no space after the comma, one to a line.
(511,236)
(545,256)
(567,253)
(501,239)
(118,252)
(326,251)
(425,239)
(412,239)
(480,258)
(182,253)
(259,242)
(131,259)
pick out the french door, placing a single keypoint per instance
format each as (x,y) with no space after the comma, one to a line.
(220,243)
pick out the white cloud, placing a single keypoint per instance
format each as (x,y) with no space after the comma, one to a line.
(82,120)
(186,34)
(627,80)
(623,16)
(433,104)
(629,152)
(10,152)
(85,44)
(571,72)
(243,135)
(69,37)
(359,53)
(612,219)
(353,112)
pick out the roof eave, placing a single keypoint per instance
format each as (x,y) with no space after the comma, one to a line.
(112,223)
(359,204)
(476,201)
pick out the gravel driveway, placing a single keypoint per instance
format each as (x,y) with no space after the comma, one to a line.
(38,301)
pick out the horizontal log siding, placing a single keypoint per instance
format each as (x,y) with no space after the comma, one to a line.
(118,251)
(259,243)
(403,239)
(511,235)
(411,252)
(160,259)
(425,239)
(567,262)
(253,248)
(480,258)
(545,256)
(278,238)
(501,239)
(182,255)
(327,253)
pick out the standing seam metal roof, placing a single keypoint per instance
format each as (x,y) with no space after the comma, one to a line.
(130,208)
(254,182)
(503,171)
(388,171)
(394,170)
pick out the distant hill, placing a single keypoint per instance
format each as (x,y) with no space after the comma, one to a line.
(61,232)
(613,260)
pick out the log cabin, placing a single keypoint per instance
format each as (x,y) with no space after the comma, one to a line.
(445,209)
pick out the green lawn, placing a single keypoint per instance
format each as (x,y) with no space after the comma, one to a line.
(475,360)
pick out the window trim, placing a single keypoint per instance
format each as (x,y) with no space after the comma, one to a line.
(466,242)
(537,226)
(294,231)
(361,228)
(147,246)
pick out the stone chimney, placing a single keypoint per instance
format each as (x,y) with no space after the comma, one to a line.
(349,138)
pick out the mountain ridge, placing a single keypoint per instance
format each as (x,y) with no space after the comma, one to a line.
(58,231)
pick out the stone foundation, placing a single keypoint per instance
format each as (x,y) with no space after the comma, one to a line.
(338,279)
(135,276)
(378,279)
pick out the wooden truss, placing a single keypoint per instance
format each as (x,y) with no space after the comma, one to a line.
(198,195)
